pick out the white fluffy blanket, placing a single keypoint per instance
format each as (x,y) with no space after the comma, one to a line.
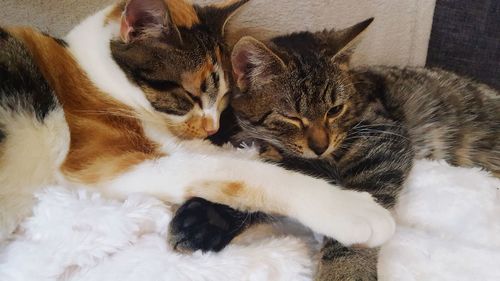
(449,229)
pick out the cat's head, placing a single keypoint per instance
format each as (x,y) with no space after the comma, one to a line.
(295,91)
(175,52)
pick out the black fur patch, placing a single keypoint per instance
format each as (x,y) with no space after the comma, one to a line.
(61,42)
(3,34)
(228,128)
(2,136)
(314,167)
(22,85)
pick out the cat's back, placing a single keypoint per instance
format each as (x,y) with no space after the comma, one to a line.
(448,116)
(414,91)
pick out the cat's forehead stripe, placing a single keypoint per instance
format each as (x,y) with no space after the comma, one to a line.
(194,80)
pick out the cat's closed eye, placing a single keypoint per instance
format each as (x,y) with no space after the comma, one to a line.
(196,99)
(297,121)
(335,111)
(159,85)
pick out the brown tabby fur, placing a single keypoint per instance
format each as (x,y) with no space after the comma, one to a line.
(361,128)
(367,124)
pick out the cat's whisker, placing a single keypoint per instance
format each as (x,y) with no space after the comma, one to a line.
(368,130)
(376,125)
(385,132)
(242,223)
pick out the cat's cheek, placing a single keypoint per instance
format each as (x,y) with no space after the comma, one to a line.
(192,128)
(336,140)
(300,147)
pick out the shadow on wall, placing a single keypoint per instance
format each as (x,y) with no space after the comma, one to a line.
(56,17)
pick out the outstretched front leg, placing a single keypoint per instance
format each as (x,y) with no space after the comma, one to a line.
(351,217)
(202,225)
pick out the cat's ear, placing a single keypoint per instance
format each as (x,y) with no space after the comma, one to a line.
(254,63)
(341,43)
(218,15)
(148,18)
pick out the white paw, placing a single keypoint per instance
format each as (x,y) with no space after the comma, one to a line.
(8,224)
(352,218)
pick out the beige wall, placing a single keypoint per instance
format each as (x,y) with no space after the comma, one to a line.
(398,36)
(52,16)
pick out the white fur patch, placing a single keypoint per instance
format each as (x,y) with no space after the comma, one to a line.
(30,157)
(89,43)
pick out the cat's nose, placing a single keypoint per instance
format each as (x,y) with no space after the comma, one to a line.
(318,148)
(211,132)
(318,140)
(210,126)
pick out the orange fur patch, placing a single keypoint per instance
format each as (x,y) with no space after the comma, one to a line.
(106,139)
(183,13)
(190,129)
(116,13)
(236,195)
(191,81)
(233,188)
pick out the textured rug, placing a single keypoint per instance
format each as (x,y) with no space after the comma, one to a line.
(448,229)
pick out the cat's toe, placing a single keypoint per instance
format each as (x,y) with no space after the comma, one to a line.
(371,224)
(357,219)
(200,225)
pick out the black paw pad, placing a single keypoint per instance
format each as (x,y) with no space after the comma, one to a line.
(206,226)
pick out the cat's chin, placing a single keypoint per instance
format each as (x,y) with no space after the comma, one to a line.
(312,155)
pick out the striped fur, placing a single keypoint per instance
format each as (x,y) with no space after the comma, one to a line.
(390,116)
(360,128)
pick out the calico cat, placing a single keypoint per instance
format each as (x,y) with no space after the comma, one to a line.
(360,128)
(121,106)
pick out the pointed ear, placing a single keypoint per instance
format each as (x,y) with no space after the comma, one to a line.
(254,64)
(148,18)
(218,15)
(340,44)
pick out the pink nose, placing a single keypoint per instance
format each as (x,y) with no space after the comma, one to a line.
(212,132)
(210,127)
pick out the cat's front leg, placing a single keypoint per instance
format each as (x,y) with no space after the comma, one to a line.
(351,217)
(348,216)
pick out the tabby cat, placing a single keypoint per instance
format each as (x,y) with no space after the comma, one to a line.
(360,128)
(122,105)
